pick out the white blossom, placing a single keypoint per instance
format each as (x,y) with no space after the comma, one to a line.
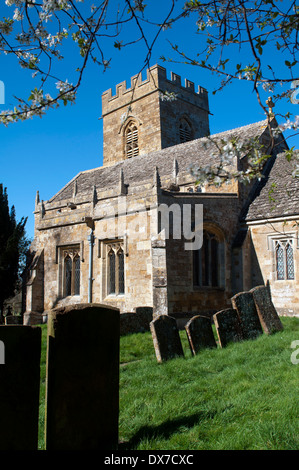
(17,15)
(168,95)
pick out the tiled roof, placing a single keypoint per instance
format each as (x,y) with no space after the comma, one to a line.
(141,168)
(278,194)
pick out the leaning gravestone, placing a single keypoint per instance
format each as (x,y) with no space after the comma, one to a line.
(268,316)
(228,326)
(166,338)
(245,306)
(82,392)
(200,334)
(19,387)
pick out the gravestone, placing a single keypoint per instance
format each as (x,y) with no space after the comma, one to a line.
(228,326)
(19,387)
(135,322)
(268,316)
(166,338)
(13,320)
(245,306)
(200,334)
(82,392)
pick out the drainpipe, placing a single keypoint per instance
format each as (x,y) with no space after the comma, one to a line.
(90,279)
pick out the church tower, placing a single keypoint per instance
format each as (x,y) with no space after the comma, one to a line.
(145,117)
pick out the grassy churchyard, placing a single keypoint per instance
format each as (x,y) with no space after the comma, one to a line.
(243,396)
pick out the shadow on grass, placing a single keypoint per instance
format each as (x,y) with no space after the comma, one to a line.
(166,429)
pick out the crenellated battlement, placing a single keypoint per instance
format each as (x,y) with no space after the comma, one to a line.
(146,104)
(156,80)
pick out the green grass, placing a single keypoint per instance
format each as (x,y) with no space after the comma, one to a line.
(244,396)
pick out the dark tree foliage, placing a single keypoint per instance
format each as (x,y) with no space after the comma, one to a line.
(13,246)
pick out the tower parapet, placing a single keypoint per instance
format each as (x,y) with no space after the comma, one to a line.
(145,115)
(156,79)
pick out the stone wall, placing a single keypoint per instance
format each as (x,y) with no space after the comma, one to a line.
(182,295)
(128,220)
(285,294)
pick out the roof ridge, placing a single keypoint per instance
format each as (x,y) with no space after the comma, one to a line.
(240,127)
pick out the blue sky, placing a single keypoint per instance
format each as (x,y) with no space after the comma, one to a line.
(44,154)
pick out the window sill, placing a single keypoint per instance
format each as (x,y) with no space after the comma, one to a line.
(115,297)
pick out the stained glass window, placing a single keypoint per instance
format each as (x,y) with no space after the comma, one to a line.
(284,260)
(290,261)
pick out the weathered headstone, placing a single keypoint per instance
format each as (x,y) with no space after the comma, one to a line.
(267,313)
(166,338)
(245,306)
(228,326)
(135,322)
(13,320)
(19,387)
(200,334)
(82,392)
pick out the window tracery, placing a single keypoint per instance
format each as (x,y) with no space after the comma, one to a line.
(71,270)
(115,269)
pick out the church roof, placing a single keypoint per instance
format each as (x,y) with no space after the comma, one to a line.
(278,194)
(139,169)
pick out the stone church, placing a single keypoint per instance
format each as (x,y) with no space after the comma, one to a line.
(121,234)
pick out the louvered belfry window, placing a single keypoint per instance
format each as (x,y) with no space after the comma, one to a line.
(185,131)
(131,140)
(284,258)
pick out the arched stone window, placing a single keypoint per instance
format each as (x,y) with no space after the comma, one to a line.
(185,130)
(131,143)
(71,258)
(77,275)
(208,262)
(111,278)
(121,271)
(116,270)
(68,266)
(284,259)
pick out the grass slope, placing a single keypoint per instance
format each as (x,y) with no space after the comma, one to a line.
(244,396)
